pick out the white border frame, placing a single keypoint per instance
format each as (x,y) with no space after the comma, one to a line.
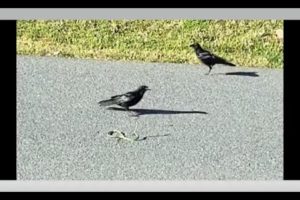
(150,13)
(157,13)
(150,186)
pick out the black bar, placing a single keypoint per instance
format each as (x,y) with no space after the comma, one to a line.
(291,99)
(8,71)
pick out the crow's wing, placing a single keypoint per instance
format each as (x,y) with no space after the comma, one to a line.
(123,98)
(206,55)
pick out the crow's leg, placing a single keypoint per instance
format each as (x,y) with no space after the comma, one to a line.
(136,136)
(131,112)
(209,70)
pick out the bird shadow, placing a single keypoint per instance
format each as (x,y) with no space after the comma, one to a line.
(139,112)
(251,74)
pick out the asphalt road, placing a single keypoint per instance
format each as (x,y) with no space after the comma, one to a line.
(216,127)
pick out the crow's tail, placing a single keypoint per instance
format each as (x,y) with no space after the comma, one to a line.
(106,102)
(228,63)
(223,61)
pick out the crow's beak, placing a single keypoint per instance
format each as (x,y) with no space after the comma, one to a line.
(192,45)
(148,89)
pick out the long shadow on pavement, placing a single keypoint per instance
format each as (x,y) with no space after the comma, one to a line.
(251,74)
(157,111)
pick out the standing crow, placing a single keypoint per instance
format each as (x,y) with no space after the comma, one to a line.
(208,58)
(126,100)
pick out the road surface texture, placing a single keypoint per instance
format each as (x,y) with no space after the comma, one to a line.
(225,126)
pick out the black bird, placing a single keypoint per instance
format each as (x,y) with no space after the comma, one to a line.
(126,100)
(209,58)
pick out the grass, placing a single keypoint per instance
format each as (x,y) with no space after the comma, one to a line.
(251,43)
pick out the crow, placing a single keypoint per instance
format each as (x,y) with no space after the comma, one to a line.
(126,100)
(208,58)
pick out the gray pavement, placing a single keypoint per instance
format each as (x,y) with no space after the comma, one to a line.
(217,127)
